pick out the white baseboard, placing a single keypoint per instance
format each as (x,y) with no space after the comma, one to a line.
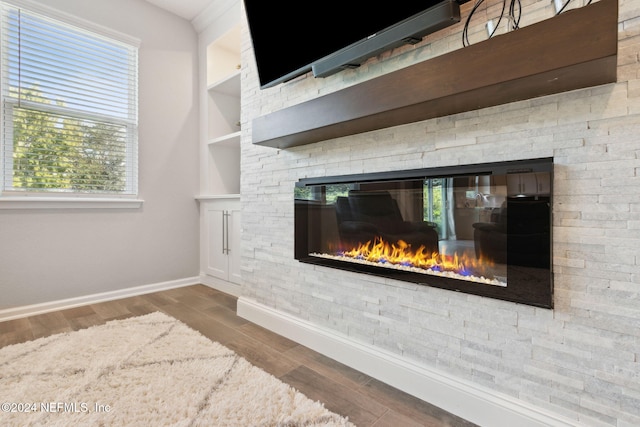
(34,309)
(472,402)
(220,285)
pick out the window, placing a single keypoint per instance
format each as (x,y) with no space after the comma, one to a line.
(325,193)
(69,108)
(435,204)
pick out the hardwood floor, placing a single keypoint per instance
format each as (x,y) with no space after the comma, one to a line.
(366,401)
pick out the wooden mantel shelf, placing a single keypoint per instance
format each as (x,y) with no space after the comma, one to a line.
(574,50)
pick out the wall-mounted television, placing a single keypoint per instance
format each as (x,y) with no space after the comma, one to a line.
(291,38)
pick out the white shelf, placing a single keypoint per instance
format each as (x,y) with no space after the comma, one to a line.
(230,140)
(205,197)
(220,149)
(229,85)
(223,55)
(219,197)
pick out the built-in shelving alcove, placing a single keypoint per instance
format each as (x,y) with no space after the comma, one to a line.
(574,50)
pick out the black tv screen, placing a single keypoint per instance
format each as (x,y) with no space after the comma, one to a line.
(289,36)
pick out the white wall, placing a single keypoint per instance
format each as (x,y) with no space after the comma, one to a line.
(53,255)
(581,359)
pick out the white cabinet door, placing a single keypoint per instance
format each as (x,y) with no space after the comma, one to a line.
(220,244)
(214,256)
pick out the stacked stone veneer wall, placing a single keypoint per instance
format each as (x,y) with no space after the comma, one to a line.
(581,359)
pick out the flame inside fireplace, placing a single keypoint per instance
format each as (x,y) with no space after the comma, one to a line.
(402,256)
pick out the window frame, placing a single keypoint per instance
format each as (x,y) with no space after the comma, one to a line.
(22,199)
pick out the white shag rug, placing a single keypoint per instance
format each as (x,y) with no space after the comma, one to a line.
(150,370)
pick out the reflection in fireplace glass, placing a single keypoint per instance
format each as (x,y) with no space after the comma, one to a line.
(465,231)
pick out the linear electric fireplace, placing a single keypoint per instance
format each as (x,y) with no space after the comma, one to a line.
(483,229)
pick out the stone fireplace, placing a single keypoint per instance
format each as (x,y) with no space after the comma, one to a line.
(577,361)
(483,229)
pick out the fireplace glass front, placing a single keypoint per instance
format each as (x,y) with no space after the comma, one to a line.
(481,229)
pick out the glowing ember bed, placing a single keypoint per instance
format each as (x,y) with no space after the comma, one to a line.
(481,229)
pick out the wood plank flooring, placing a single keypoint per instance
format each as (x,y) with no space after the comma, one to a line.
(366,401)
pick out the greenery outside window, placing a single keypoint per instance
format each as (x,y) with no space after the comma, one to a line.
(69,109)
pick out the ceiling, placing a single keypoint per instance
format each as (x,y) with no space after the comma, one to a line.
(187,9)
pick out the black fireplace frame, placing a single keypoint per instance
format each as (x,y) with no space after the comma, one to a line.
(526,285)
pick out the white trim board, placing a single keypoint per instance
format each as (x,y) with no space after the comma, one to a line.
(472,402)
(220,285)
(30,202)
(35,309)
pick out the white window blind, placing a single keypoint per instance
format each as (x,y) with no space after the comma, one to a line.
(69,108)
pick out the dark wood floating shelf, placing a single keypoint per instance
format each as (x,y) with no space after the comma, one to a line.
(574,50)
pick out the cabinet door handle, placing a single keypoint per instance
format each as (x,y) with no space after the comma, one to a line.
(226,224)
(224,243)
(225,232)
